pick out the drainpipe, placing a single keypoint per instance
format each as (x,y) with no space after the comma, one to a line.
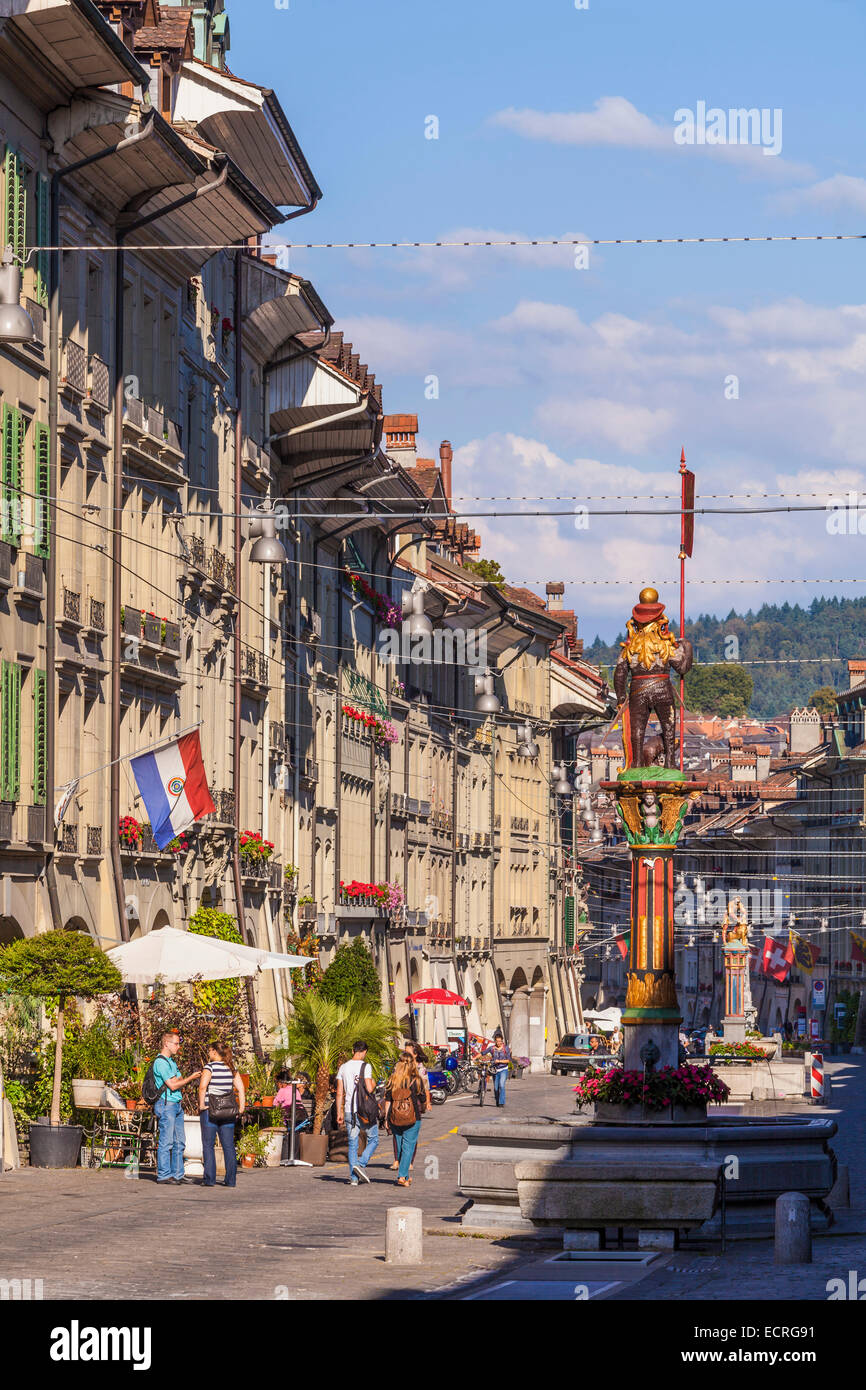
(51,574)
(117,528)
(236,702)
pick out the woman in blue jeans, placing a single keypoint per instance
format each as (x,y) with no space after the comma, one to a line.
(406,1099)
(219,1080)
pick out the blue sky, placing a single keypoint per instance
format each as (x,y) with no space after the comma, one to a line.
(555,121)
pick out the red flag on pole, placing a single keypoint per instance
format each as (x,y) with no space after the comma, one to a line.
(777,958)
(858,947)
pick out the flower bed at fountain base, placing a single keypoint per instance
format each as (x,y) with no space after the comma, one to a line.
(769,1156)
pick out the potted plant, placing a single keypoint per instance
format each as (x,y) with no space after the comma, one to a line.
(319,1038)
(252,1148)
(262,1082)
(55,966)
(677,1095)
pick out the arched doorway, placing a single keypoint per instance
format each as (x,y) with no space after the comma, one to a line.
(518,1023)
(9,931)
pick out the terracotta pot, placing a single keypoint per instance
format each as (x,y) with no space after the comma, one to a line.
(267,1101)
(248,1161)
(245,1078)
(132,1105)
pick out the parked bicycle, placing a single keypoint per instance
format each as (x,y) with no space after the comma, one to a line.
(483,1076)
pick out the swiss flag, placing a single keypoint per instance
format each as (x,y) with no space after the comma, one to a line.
(777,958)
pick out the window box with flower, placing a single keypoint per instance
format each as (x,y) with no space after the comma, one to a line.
(130,832)
(254,853)
(382,731)
(386,611)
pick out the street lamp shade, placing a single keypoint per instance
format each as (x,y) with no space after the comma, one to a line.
(267,549)
(486,702)
(16,325)
(562,786)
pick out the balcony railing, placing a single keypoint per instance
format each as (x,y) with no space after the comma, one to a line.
(33,575)
(37,318)
(94,839)
(278,737)
(100,382)
(171,640)
(75,368)
(7,820)
(71,606)
(68,837)
(35,825)
(224,802)
(97,614)
(5,564)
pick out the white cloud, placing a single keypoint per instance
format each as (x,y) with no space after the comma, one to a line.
(633,429)
(616,122)
(842,191)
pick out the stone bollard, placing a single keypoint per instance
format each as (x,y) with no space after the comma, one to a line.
(403,1236)
(793,1229)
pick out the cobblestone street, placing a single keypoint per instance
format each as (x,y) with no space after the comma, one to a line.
(305,1234)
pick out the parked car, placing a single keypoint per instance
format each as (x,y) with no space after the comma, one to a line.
(576,1051)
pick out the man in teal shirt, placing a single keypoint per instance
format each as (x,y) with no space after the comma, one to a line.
(169,1111)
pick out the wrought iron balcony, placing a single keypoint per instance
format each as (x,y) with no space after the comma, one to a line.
(75,368)
(100,382)
(97,614)
(94,839)
(68,837)
(71,607)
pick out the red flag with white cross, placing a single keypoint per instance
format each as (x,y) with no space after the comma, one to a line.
(777,958)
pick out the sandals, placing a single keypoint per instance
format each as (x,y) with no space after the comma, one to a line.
(404,1182)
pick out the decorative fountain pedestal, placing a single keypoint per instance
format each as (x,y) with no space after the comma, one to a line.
(631,1167)
(735,954)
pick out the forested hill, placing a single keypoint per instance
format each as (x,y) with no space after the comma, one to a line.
(793,636)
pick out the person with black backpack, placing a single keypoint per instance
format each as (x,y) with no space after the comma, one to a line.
(162,1088)
(357,1109)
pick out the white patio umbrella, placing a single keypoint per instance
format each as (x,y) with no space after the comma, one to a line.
(175,957)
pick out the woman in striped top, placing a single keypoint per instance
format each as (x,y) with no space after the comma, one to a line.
(219,1078)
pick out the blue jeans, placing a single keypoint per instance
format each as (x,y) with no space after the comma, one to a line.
(354,1133)
(170,1147)
(226,1132)
(499,1085)
(406,1142)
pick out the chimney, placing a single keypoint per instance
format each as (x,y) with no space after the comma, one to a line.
(400,438)
(856,673)
(554,596)
(446,454)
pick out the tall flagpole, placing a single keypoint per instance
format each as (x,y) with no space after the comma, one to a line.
(687,536)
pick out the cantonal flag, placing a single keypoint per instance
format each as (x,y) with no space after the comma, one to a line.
(858,947)
(806,954)
(777,958)
(174,786)
(623,943)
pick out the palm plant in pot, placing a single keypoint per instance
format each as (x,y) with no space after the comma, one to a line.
(56,966)
(319,1039)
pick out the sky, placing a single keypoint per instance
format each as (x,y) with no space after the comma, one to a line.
(585,381)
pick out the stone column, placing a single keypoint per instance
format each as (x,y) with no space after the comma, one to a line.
(735,957)
(652,803)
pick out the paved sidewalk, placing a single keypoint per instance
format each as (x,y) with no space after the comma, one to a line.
(292,1233)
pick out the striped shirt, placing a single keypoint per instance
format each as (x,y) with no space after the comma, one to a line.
(221,1080)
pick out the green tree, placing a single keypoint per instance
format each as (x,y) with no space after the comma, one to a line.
(352,977)
(824,701)
(488,570)
(58,965)
(209,921)
(724,688)
(319,1039)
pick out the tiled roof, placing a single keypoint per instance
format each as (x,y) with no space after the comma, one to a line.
(342,356)
(172,30)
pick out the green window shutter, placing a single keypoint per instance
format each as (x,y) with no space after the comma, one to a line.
(15,205)
(10,789)
(42,489)
(13,448)
(39,738)
(569,922)
(43,236)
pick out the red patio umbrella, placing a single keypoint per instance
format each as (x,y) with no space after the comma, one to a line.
(436,996)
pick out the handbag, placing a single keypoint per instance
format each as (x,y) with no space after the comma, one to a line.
(222,1109)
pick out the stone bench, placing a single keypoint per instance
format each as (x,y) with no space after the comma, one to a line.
(664,1198)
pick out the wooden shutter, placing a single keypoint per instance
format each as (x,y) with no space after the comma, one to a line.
(40,764)
(12,448)
(43,236)
(10,772)
(15,205)
(569,922)
(42,489)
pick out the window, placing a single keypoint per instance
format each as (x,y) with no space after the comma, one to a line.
(10,735)
(39,738)
(42,489)
(95,309)
(10,482)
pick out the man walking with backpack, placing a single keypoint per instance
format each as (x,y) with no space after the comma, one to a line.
(162,1089)
(358,1109)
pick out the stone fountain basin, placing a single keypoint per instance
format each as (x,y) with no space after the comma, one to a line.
(762,1157)
(578,1195)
